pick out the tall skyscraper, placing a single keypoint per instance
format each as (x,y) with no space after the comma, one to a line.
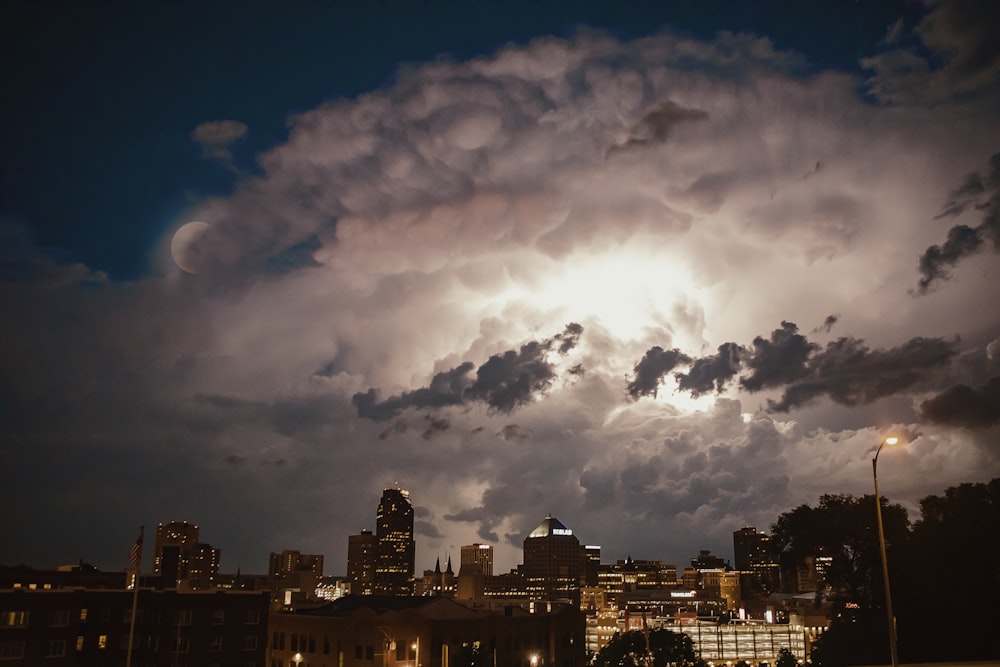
(394,561)
(555,564)
(361,549)
(479,556)
(203,567)
(756,557)
(177,541)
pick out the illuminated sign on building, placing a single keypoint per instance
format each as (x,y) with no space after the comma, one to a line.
(562,531)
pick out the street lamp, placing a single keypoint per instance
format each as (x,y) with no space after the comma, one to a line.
(892,440)
(416,656)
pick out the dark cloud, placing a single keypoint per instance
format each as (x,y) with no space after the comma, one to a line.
(779,360)
(827,325)
(481,516)
(426,529)
(958,57)
(851,374)
(434,425)
(650,370)
(504,382)
(712,372)
(980,192)
(961,405)
(446,388)
(514,432)
(657,125)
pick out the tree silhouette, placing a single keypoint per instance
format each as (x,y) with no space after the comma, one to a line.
(628,649)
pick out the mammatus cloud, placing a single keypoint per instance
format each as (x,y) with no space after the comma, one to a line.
(981,193)
(963,405)
(215,137)
(503,382)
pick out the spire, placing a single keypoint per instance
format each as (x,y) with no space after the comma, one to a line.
(448,571)
(437,565)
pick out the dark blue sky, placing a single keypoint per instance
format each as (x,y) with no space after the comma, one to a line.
(101,97)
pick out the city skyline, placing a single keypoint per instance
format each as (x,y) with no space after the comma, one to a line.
(662,271)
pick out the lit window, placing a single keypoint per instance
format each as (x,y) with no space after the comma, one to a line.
(79,642)
(13,619)
(83,614)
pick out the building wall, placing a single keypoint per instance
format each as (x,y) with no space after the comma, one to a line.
(91,627)
(409,638)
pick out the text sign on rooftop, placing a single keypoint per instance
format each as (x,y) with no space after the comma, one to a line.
(562,531)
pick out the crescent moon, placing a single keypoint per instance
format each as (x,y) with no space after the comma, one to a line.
(183,244)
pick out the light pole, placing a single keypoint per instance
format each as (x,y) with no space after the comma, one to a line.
(892,440)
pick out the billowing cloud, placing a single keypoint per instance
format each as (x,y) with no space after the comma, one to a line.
(376,305)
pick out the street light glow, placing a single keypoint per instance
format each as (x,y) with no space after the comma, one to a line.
(891,440)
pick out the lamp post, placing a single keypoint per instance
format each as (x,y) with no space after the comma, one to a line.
(885,563)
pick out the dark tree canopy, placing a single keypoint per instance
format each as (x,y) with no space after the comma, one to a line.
(844,529)
(943,583)
(629,648)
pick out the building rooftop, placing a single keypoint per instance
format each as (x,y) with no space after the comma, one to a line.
(549,527)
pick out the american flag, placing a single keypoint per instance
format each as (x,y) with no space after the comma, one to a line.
(135,553)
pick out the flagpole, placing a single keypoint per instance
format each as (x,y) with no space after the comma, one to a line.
(137,561)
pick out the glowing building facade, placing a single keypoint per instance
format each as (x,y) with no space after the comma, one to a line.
(394,557)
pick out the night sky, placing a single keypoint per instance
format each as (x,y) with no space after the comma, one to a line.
(661,270)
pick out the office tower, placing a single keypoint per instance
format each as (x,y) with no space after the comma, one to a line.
(288,562)
(182,536)
(361,550)
(203,567)
(477,555)
(756,556)
(554,562)
(395,552)
(593,564)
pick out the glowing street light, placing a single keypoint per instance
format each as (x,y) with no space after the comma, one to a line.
(891,440)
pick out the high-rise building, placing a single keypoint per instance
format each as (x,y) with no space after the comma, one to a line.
(361,550)
(203,567)
(756,557)
(554,562)
(179,539)
(288,562)
(478,555)
(394,558)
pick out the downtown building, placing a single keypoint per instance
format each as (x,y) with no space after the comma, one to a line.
(383,563)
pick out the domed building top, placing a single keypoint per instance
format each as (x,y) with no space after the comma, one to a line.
(550,527)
